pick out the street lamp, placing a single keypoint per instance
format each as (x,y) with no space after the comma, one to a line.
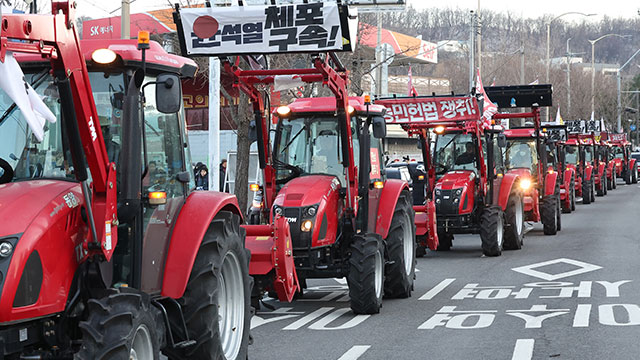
(619,81)
(549,41)
(593,65)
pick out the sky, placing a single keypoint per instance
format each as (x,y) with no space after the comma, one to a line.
(529,8)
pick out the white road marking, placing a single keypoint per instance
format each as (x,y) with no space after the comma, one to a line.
(523,349)
(437,289)
(355,352)
(307,319)
(582,267)
(581,319)
(342,281)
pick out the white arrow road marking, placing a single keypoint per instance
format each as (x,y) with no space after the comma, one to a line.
(355,352)
(437,289)
(523,349)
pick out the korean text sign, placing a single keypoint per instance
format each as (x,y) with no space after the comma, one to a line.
(262,29)
(416,110)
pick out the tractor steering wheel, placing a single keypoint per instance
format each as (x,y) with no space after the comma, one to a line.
(7,172)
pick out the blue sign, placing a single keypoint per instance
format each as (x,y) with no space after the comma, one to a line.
(632,127)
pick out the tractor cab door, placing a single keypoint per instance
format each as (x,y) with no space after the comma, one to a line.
(376,173)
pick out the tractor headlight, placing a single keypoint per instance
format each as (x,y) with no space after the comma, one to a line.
(306,226)
(311,211)
(278,211)
(525,184)
(437,192)
(458,192)
(6,248)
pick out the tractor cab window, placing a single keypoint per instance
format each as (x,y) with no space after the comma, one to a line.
(551,155)
(522,154)
(455,152)
(310,145)
(108,94)
(588,153)
(618,153)
(571,154)
(28,157)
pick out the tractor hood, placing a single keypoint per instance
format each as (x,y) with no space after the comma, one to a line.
(306,190)
(21,202)
(521,172)
(455,180)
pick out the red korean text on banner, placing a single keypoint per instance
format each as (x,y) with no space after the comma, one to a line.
(416,110)
(375,164)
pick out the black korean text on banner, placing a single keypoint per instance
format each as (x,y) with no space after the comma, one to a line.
(262,29)
(431,109)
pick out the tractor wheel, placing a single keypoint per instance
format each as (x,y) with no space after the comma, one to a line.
(492,231)
(401,249)
(558,214)
(548,214)
(601,190)
(610,183)
(445,241)
(122,325)
(627,177)
(614,179)
(567,208)
(634,175)
(593,190)
(366,274)
(217,301)
(514,217)
(586,192)
(573,196)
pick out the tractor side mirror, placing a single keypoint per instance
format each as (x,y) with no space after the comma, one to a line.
(502,141)
(168,93)
(379,127)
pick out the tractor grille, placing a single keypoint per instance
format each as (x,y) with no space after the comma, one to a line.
(446,206)
(294,217)
(30,282)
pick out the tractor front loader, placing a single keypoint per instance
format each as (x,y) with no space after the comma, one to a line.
(107,253)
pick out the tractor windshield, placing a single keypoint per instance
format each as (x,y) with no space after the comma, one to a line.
(455,152)
(571,154)
(619,152)
(309,145)
(588,153)
(30,158)
(521,153)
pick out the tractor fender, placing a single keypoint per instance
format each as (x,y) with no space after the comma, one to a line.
(192,223)
(587,173)
(568,174)
(601,170)
(388,201)
(506,186)
(550,183)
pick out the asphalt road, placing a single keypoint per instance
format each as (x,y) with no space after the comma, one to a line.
(570,296)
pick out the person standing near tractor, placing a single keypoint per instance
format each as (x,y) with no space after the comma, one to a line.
(202,178)
(223,173)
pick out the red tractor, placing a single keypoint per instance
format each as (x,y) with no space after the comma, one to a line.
(625,165)
(556,136)
(605,155)
(579,156)
(104,256)
(323,178)
(472,195)
(527,156)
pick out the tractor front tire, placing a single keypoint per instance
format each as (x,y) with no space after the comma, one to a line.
(366,274)
(600,191)
(217,301)
(492,231)
(549,214)
(120,326)
(614,179)
(586,192)
(634,175)
(445,241)
(399,272)
(514,217)
(573,195)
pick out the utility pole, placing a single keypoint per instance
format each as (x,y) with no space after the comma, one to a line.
(522,63)
(479,40)
(379,56)
(472,49)
(568,78)
(125,22)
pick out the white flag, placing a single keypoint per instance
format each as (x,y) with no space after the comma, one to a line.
(559,120)
(31,105)
(592,116)
(603,126)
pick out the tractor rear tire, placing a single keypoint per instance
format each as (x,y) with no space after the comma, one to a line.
(627,177)
(601,191)
(586,192)
(549,214)
(610,183)
(219,289)
(366,274)
(121,325)
(514,218)
(492,231)
(400,244)
(567,209)
(445,241)
(573,195)
(593,190)
(634,175)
